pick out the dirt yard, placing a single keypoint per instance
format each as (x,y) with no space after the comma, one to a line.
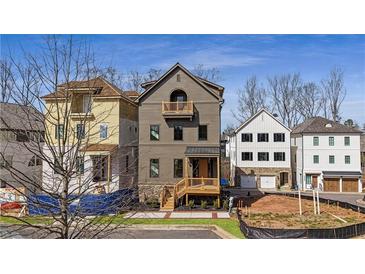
(276,211)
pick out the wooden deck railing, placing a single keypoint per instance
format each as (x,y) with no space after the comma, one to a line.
(185,107)
(197,182)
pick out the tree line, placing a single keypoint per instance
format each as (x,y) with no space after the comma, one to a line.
(292,99)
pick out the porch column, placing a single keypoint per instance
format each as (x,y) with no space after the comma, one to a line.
(186,175)
(218,168)
(360,185)
(108,185)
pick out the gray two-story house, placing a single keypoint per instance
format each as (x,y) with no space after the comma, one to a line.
(179,137)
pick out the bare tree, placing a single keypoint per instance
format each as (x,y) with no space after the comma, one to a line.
(285,91)
(68,173)
(152,75)
(134,80)
(309,101)
(6,82)
(251,98)
(334,92)
(210,74)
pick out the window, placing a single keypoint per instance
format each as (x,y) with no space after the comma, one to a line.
(203,132)
(331,159)
(347,159)
(308,179)
(315,141)
(279,156)
(279,137)
(262,137)
(246,137)
(263,156)
(178,78)
(246,156)
(178,133)
(127,163)
(178,168)
(59,132)
(347,141)
(315,159)
(6,161)
(87,104)
(154,132)
(35,161)
(331,141)
(21,136)
(80,131)
(154,168)
(80,165)
(103,131)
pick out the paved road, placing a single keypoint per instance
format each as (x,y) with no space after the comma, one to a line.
(30,233)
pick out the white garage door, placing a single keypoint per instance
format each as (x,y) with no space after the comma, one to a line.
(267,181)
(248,181)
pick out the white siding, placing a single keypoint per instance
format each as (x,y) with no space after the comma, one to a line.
(263,123)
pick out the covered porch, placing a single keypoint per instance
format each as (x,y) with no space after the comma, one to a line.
(201,173)
(101,165)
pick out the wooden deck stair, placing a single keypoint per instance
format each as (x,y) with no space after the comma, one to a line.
(170,194)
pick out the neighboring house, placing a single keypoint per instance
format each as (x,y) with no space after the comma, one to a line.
(106,121)
(259,152)
(362,150)
(21,131)
(326,155)
(179,137)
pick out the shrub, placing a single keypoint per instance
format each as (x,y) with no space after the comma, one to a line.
(152,202)
(203,204)
(191,204)
(215,204)
(225,204)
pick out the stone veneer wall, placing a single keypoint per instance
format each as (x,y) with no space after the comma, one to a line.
(263,171)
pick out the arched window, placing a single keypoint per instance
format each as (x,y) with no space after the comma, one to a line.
(178,96)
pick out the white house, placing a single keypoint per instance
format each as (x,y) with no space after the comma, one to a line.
(259,153)
(326,155)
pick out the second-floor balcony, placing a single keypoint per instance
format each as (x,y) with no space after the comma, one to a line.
(81,107)
(179,109)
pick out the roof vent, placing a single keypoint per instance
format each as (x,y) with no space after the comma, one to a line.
(328,125)
(275,115)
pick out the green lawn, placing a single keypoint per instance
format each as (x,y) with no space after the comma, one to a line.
(229,225)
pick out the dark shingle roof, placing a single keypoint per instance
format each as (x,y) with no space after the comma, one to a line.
(319,125)
(18,117)
(202,150)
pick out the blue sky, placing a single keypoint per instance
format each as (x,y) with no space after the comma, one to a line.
(236,56)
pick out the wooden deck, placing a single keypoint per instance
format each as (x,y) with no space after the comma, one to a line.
(186,187)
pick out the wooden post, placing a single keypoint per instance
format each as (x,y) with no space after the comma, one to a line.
(218,169)
(109,166)
(300,203)
(314,203)
(187,199)
(318,207)
(219,201)
(186,172)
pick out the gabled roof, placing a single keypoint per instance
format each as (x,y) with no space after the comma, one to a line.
(19,117)
(257,114)
(321,125)
(177,65)
(100,86)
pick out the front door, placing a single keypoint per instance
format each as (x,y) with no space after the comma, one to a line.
(314,181)
(203,168)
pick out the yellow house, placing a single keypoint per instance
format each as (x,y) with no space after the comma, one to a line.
(91,125)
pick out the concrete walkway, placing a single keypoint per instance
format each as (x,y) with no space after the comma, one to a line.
(178,215)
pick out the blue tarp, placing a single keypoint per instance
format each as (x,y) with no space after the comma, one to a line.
(92,204)
(224,182)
